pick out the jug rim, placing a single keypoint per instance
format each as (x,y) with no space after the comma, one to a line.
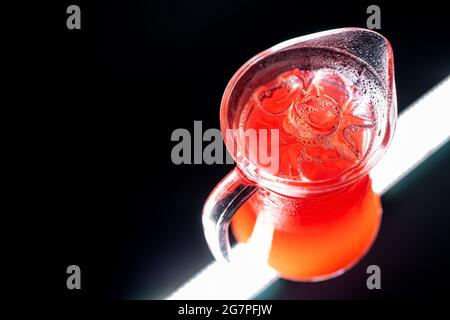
(292,187)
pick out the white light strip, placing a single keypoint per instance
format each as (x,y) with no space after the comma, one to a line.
(227,281)
(421,129)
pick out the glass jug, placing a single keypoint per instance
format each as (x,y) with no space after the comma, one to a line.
(331,97)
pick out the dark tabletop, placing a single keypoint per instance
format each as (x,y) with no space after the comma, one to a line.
(136,71)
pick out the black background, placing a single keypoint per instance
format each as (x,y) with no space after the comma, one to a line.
(105,99)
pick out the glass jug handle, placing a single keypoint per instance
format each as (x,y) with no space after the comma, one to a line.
(221,205)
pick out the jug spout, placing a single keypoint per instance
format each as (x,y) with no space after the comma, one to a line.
(364,44)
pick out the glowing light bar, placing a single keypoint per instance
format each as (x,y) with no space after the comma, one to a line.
(420,131)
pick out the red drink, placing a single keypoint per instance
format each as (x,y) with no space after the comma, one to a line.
(326,128)
(309,213)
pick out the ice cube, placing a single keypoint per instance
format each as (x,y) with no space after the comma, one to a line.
(276,96)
